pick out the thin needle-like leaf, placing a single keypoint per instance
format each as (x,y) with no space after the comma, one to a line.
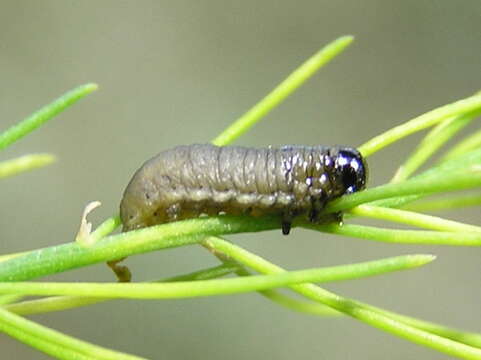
(401,236)
(24,163)
(38,118)
(412,218)
(54,342)
(470,143)
(467,178)
(432,143)
(217,287)
(419,123)
(60,303)
(282,91)
(448,203)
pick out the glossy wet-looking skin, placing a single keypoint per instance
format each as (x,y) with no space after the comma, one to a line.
(187,181)
(353,170)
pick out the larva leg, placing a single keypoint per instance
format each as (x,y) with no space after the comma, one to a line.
(316,209)
(121,271)
(287,222)
(337,217)
(314,215)
(286,227)
(318,203)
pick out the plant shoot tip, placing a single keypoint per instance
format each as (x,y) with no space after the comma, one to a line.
(423,259)
(92,86)
(347,37)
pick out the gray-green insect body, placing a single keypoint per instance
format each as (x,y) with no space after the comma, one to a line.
(187,181)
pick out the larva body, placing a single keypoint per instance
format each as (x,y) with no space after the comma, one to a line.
(187,181)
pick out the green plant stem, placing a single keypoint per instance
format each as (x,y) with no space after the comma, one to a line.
(419,123)
(8,299)
(47,112)
(63,257)
(397,202)
(471,159)
(106,228)
(103,230)
(400,236)
(53,342)
(217,287)
(24,163)
(468,338)
(68,256)
(60,303)
(462,170)
(470,143)
(315,308)
(432,143)
(283,90)
(306,307)
(445,175)
(351,307)
(13,255)
(412,218)
(449,203)
(47,347)
(428,183)
(288,302)
(274,295)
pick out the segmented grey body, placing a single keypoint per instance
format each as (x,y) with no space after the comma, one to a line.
(188,181)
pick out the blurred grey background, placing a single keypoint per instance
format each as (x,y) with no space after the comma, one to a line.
(179,72)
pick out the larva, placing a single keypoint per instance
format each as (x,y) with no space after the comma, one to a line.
(187,181)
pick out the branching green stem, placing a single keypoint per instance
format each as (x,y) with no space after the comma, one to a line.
(461,170)
(68,256)
(351,307)
(63,257)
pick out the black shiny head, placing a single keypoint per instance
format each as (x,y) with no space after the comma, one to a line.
(351,169)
